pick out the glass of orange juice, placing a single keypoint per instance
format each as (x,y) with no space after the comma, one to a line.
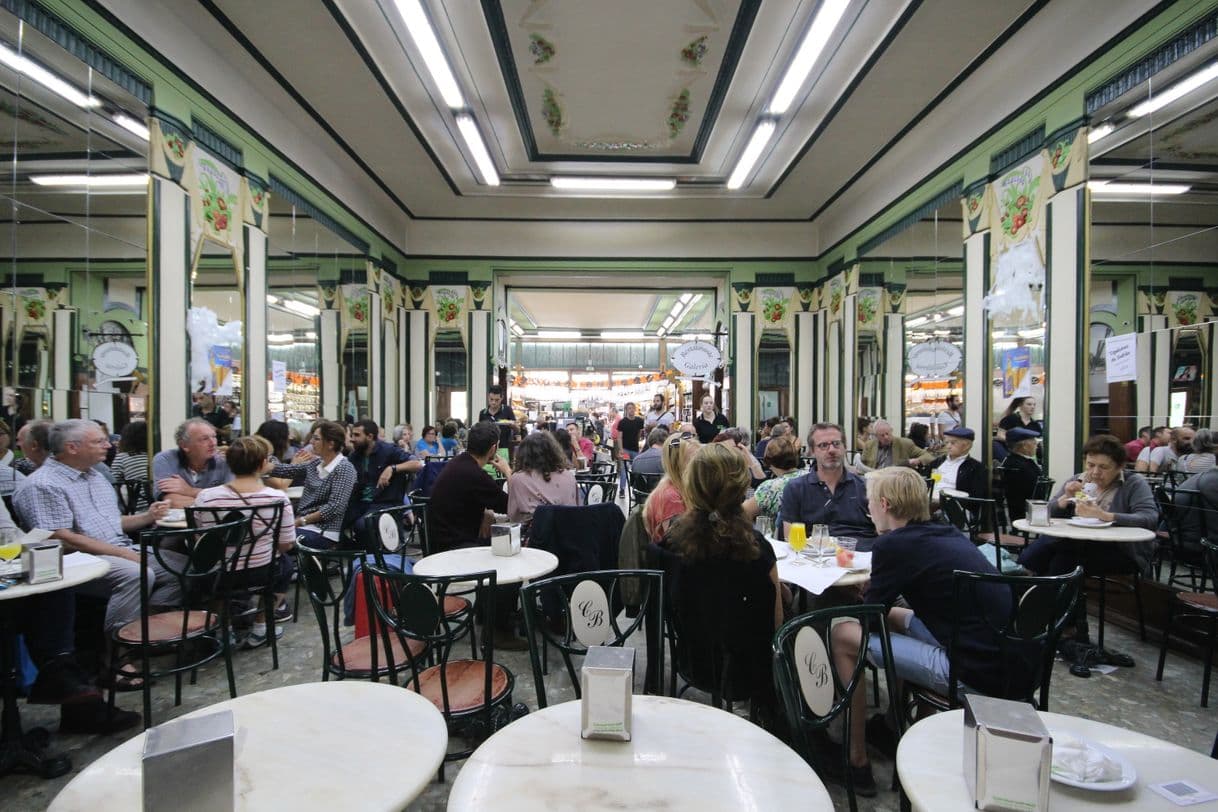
(10,545)
(797,537)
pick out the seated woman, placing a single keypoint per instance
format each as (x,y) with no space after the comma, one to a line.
(428,446)
(1103,491)
(1201,458)
(329,482)
(130,464)
(448,439)
(542,477)
(667,500)
(569,449)
(782,457)
(249,458)
(583,446)
(276,433)
(726,598)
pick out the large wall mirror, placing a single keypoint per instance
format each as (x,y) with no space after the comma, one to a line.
(910,315)
(74,304)
(1154,253)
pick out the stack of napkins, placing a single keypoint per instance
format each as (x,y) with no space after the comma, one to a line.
(1075,760)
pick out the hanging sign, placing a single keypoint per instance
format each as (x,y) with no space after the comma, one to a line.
(697,359)
(1017,373)
(1121,357)
(115,359)
(934,359)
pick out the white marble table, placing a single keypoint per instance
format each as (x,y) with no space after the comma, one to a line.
(930,763)
(374,746)
(1062,529)
(530,563)
(683,755)
(78,568)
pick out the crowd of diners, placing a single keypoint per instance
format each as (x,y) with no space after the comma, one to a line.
(713,482)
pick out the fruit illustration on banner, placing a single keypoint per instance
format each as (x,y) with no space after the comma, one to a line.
(359,310)
(1018,195)
(448,306)
(773,307)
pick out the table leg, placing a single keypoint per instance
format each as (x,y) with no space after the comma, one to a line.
(21,751)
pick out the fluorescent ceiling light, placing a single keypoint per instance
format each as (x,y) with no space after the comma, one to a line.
(1005,345)
(558,334)
(279,338)
(1037,332)
(668,321)
(311,335)
(1181,88)
(1103,131)
(92,181)
(517,329)
(761,136)
(698,337)
(623,334)
(943,332)
(424,37)
(660,333)
(937,317)
(920,320)
(591,184)
(131,125)
(272,299)
(47,79)
(1100,187)
(301,308)
(685,297)
(810,49)
(473,140)
(676,310)
(958,310)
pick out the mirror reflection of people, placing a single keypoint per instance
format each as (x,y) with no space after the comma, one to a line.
(1020,471)
(885,450)
(1019,416)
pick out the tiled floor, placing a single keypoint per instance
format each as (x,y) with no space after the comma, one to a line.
(1129,698)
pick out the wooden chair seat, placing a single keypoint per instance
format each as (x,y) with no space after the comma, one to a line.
(166,627)
(357,655)
(466,679)
(1004,539)
(1205,601)
(455,605)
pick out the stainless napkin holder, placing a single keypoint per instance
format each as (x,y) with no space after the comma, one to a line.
(1038,513)
(606,686)
(505,539)
(1008,755)
(188,765)
(42,561)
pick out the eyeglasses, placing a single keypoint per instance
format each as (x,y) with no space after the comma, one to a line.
(830,444)
(677,438)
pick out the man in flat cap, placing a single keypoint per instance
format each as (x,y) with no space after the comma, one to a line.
(958,471)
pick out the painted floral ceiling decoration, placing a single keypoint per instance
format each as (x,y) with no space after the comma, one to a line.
(615,79)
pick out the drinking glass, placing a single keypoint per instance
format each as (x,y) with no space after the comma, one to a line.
(797,537)
(765,526)
(10,547)
(820,534)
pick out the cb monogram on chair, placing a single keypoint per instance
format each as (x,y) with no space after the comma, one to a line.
(815,678)
(590,614)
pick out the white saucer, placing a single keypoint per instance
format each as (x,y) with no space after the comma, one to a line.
(1082,521)
(1129,776)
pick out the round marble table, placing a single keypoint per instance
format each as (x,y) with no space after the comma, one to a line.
(530,563)
(931,754)
(22,749)
(682,756)
(1063,529)
(376,746)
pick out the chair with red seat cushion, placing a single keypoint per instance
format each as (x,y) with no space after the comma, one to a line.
(194,634)
(1194,607)
(475,695)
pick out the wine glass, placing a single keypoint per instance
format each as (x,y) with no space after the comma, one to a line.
(797,537)
(10,544)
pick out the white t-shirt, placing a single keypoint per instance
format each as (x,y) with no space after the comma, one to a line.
(948,419)
(1163,457)
(949,468)
(654,418)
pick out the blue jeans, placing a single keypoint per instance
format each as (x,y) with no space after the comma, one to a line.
(917,656)
(622,484)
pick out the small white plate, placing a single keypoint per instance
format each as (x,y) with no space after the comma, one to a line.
(1129,776)
(175,515)
(781,550)
(1082,521)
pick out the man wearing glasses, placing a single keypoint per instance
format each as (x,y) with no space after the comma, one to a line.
(830,494)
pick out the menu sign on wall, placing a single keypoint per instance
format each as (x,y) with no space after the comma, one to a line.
(934,359)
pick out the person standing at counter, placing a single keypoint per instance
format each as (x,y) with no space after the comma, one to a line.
(496,411)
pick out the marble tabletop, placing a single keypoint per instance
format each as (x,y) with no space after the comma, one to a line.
(294,492)
(78,568)
(374,746)
(683,755)
(528,564)
(930,763)
(1062,529)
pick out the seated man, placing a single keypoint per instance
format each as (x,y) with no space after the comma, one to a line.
(958,471)
(1197,501)
(915,559)
(884,450)
(1020,471)
(382,471)
(34,445)
(650,461)
(463,492)
(181,473)
(66,495)
(830,494)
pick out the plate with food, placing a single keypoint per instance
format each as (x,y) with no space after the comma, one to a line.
(1086,764)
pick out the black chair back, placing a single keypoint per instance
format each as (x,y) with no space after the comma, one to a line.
(389,533)
(812,691)
(585,617)
(134,495)
(315,570)
(641,485)
(973,516)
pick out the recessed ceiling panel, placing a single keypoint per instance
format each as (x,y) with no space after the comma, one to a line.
(625,80)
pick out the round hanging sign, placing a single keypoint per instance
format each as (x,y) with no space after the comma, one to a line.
(697,359)
(934,359)
(115,359)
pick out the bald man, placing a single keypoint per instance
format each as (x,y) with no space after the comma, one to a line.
(885,450)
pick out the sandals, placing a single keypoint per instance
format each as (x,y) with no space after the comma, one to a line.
(122,682)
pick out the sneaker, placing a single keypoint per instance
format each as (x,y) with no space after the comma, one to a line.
(95,718)
(863,781)
(258,637)
(283,613)
(61,682)
(880,736)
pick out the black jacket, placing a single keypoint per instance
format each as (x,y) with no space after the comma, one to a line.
(1019,476)
(970,478)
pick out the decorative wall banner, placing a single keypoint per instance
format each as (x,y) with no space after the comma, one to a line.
(477,292)
(870,309)
(743,294)
(391,294)
(1067,154)
(836,288)
(1017,223)
(450,304)
(1184,308)
(976,206)
(257,202)
(170,144)
(216,191)
(807,297)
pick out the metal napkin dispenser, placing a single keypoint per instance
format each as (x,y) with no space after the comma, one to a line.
(1008,755)
(1038,513)
(41,558)
(505,538)
(606,686)
(188,765)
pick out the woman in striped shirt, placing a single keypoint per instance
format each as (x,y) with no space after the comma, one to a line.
(130,465)
(329,482)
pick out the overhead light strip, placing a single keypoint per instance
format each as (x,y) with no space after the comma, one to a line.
(473,139)
(1185,86)
(132,126)
(573,334)
(1103,131)
(809,52)
(744,167)
(27,67)
(1100,187)
(92,181)
(424,36)
(595,184)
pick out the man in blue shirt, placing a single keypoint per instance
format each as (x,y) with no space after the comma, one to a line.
(382,471)
(831,494)
(180,473)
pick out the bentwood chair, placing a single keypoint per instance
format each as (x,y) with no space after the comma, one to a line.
(1188,608)
(475,695)
(641,486)
(811,690)
(584,617)
(240,581)
(134,495)
(192,635)
(978,519)
(1027,633)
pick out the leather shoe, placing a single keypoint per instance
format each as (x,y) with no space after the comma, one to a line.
(95,718)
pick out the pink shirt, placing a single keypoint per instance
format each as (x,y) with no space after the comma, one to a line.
(663,505)
(587,449)
(222,496)
(527,489)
